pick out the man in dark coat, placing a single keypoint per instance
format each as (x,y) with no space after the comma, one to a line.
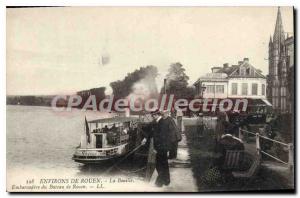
(175,134)
(236,121)
(162,144)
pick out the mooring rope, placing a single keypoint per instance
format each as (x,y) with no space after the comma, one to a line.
(118,162)
(133,171)
(115,165)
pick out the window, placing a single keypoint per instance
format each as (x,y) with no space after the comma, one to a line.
(283,92)
(242,71)
(210,89)
(234,88)
(263,89)
(219,88)
(254,88)
(244,89)
(248,71)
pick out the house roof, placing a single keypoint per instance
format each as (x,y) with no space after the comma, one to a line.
(119,119)
(228,70)
(243,70)
(236,71)
(213,77)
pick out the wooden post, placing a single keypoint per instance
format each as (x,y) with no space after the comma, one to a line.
(179,122)
(151,161)
(291,156)
(261,130)
(257,144)
(240,134)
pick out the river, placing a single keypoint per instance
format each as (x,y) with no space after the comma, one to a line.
(40,143)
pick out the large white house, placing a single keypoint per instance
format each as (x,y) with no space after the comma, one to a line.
(236,81)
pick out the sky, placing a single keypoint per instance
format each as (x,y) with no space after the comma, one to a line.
(64,50)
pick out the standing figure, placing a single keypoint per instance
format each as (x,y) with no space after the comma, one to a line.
(162,143)
(221,123)
(175,134)
(236,120)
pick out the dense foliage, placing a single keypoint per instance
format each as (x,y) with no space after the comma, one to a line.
(177,82)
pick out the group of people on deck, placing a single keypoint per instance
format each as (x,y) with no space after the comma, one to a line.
(105,129)
(166,136)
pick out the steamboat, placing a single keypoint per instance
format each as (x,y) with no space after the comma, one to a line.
(108,139)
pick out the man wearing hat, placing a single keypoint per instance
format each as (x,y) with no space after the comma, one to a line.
(175,134)
(162,144)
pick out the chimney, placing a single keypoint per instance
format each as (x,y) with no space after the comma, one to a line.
(246,60)
(215,69)
(225,65)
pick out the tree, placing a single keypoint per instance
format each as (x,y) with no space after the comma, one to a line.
(177,82)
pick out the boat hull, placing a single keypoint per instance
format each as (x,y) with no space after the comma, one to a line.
(99,160)
(99,156)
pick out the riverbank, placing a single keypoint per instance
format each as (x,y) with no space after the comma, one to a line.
(182,179)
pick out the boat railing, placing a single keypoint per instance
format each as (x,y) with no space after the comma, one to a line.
(96,149)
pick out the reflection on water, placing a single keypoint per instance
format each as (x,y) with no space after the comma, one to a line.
(43,140)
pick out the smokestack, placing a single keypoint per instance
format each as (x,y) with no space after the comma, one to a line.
(225,65)
(165,86)
(215,69)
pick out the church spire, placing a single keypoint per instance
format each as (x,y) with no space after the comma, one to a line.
(279,32)
(270,41)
